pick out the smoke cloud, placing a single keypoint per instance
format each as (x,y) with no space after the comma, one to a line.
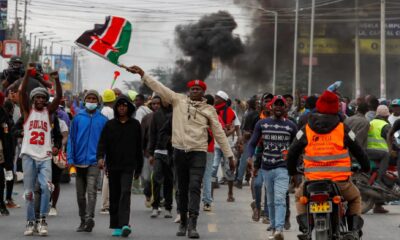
(211,37)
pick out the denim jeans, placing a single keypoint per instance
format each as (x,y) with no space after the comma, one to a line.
(36,171)
(86,183)
(258,185)
(243,163)
(227,173)
(277,181)
(207,179)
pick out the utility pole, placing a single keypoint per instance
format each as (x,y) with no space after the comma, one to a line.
(275,52)
(383,49)
(15,33)
(24,29)
(357,55)
(310,62)
(296,28)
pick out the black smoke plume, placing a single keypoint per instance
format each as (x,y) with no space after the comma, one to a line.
(211,37)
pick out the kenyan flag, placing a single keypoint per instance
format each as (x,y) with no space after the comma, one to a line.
(109,40)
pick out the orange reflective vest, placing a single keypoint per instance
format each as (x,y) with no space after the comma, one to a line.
(325,155)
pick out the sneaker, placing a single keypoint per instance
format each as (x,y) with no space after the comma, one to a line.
(81,227)
(30,227)
(378,209)
(154,213)
(278,235)
(105,211)
(159,210)
(117,232)
(168,214)
(3,210)
(207,207)
(126,230)
(89,225)
(177,219)
(272,235)
(42,227)
(256,215)
(266,220)
(12,204)
(238,184)
(53,212)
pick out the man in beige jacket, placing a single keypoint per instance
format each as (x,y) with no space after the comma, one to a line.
(192,117)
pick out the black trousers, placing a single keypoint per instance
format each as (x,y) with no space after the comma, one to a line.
(189,168)
(120,183)
(163,176)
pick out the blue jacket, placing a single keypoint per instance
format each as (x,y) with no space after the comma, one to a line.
(83,138)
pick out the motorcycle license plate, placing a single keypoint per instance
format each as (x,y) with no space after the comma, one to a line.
(320,207)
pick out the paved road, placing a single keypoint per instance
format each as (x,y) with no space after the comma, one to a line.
(228,221)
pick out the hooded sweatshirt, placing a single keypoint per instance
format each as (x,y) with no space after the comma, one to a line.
(83,138)
(324,124)
(121,143)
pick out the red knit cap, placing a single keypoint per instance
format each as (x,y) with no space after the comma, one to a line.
(328,103)
(1,98)
(199,83)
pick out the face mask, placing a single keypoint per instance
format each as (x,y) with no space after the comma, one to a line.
(91,106)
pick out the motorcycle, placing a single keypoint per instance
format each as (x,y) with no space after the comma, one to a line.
(326,212)
(373,191)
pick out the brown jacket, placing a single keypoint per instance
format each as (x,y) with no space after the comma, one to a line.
(190,120)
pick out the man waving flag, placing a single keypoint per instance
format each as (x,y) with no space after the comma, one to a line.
(109,40)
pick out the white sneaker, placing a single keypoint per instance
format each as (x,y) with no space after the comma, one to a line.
(42,227)
(154,213)
(53,212)
(272,235)
(278,235)
(177,219)
(104,211)
(30,228)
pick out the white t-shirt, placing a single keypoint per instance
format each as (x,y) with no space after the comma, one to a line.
(108,112)
(141,112)
(63,126)
(393,119)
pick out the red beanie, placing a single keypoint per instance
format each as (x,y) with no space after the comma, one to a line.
(199,83)
(328,103)
(1,99)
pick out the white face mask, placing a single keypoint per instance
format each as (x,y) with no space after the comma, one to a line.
(91,106)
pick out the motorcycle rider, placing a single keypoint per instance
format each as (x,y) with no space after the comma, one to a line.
(326,143)
(378,149)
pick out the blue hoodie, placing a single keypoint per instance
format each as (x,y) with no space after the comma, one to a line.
(83,138)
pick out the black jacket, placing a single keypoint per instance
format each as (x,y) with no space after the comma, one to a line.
(120,143)
(157,121)
(165,135)
(323,124)
(6,124)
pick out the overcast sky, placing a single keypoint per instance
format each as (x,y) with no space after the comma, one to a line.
(152,42)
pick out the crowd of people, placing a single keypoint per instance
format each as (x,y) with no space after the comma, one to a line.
(174,144)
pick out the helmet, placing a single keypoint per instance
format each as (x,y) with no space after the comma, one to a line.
(39,91)
(132,94)
(396,102)
(108,96)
